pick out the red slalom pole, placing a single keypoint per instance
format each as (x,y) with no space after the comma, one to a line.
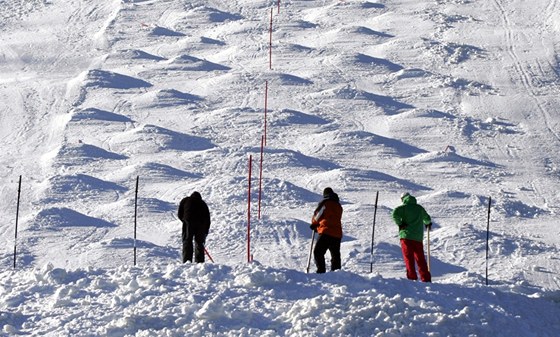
(249,211)
(265,108)
(488,236)
(260,175)
(135,216)
(278,6)
(270,43)
(208,254)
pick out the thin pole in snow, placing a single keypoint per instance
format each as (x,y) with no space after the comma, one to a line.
(260,175)
(265,109)
(429,258)
(270,42)
(278,6)
(208,254)
(488,236)
(373,233)
(17,217)
(310,252)
(135,216)
(249,211)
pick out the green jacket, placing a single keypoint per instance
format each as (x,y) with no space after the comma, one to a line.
(413,215)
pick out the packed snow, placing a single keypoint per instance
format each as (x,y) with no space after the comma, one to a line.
(452,101)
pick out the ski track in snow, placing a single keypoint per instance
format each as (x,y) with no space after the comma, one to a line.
(453,101)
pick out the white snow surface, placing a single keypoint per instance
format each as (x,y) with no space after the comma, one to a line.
(454,101)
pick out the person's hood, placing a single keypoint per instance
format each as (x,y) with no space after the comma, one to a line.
(409,200)
(331,196)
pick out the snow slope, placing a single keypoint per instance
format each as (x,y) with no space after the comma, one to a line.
(453,101)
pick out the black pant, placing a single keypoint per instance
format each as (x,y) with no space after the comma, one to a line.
(332,244)
(191,233)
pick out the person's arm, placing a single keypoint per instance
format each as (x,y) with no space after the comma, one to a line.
(426,217)
(317,216)
(181,209)
(188,209)
(397,216)
(315,220)
(207,214)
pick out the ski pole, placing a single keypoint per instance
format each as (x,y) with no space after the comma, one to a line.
(373,233)
(310,252)
(208,254)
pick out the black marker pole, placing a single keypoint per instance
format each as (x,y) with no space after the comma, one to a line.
(373,233)
(17,217)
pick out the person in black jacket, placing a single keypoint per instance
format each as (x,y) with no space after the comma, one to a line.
(195,216)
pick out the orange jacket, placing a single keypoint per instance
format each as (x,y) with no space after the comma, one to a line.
(328,217)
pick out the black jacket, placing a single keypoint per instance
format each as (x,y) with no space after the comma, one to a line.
(194,212)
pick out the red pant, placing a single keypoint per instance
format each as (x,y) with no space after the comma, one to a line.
(413,251)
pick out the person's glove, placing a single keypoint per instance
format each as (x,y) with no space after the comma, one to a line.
(314,227)
(429,226)
(403,226)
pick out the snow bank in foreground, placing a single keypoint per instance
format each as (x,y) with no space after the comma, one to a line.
(249,300)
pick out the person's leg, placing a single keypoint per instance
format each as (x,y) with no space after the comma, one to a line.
(199,239)
(425,274)
(408,256)
(319,253)
(187,243)
(334,249)
(187,251)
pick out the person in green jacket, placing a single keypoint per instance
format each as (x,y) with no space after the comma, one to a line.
(411,219)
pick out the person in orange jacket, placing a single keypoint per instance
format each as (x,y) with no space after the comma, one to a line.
(327,222)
